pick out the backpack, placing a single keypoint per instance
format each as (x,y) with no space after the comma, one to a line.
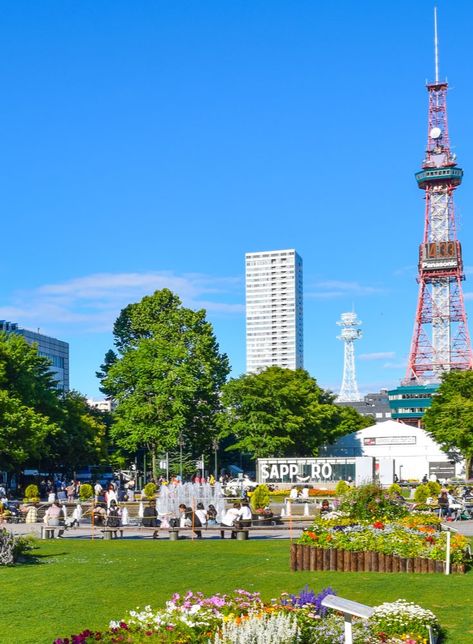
(113,520)
(149,517)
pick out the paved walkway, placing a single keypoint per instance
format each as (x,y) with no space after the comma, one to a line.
(463,527)
(85,532)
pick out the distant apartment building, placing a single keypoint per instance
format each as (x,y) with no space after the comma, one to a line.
(375,404)
(56,351)
(104,404)
(274,310)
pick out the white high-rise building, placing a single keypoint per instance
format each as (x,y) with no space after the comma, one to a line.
(274,333)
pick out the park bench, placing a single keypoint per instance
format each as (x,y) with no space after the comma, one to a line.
(110,533)
(242,533)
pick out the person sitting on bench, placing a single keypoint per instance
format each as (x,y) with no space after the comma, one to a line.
(229,519)
(113,517)
(150,518)
(52,517)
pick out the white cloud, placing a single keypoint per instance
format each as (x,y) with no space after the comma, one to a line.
(338,288)
(90,304)
(401,364)
(380,355)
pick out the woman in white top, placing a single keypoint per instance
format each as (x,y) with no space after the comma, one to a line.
(110,495)
(201,513)
(229,518)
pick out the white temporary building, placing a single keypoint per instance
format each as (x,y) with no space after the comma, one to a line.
(400,449)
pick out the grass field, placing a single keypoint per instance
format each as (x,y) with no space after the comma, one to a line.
(78,584)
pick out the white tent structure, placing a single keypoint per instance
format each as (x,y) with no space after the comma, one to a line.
(399,449)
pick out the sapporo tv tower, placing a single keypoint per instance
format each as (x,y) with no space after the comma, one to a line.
(440,342)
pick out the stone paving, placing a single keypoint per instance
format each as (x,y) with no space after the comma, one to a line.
(463,527)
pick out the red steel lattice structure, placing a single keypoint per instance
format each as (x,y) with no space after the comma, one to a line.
(441,341)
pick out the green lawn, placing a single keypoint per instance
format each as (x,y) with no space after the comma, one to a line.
(78,584)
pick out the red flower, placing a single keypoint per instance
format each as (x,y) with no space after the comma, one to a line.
(312,535)
(379,525)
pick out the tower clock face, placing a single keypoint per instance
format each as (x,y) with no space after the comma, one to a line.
(435,133)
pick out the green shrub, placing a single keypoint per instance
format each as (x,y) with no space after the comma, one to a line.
(371,502)
(422,493)
(342,488)
(13,548)
(86,492)
(32,494)
(395,488)
(150,490)
(434,488)
(260,498)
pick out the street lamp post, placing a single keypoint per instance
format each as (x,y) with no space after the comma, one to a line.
(180,456)
(215,446)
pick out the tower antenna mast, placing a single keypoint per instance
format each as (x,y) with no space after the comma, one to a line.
(436,46)
(350,332)
(441,341)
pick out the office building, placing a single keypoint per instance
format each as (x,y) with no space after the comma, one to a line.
(375,404)
(274,316)
(104,404)
(56,351)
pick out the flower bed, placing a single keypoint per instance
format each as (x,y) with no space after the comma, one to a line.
(243,618)
(411,544)
(373,532)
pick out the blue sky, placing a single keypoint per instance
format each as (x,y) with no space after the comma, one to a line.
(149,143)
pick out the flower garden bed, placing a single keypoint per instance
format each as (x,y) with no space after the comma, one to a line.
(306,557)
(243,618)
(373,532)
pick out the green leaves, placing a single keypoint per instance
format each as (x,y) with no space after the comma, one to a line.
(450,418)
(167,376)
(281,412)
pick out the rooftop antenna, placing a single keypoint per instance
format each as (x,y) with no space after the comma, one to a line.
(436,46)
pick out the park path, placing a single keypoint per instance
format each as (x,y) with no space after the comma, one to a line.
(85,532)
(463,527)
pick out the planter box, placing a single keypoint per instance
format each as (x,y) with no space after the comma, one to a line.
(305,557)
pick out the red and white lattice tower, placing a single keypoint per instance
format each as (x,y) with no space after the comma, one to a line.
(441,341)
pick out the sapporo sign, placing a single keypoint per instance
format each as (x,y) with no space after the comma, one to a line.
(305,470)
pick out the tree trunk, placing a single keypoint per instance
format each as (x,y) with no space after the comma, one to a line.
(468,460)
(153,462)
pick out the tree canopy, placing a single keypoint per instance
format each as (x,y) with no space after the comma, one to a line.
(29,403)
(280,412)
(40,426)
(167,376)
(449,420)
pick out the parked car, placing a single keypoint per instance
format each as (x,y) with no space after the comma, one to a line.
(235,487)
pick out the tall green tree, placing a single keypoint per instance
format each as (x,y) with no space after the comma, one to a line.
(280,412)
(449,420)
(30,405)
(81,438)
(101,374)
(167,376)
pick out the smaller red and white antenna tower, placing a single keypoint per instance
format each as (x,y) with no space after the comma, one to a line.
(350,332)
(441,341)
